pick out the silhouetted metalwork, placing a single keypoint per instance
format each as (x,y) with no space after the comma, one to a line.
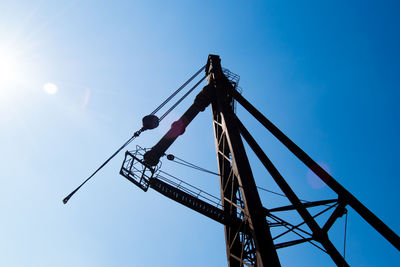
(247,232)
(247,222)
(238,189)
(149,122)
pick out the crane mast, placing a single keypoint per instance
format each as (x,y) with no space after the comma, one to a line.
(253,244)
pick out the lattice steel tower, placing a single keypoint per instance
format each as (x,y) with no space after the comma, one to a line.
(247,232)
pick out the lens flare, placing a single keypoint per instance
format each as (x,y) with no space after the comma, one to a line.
(314,180)
(50,88)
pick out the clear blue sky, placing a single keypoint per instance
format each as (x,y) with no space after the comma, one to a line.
(76,77)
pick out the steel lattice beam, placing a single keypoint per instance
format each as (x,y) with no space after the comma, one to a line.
(238,190)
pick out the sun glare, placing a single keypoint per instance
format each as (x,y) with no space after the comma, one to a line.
(10,70)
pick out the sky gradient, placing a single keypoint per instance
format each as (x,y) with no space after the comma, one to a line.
(76,77)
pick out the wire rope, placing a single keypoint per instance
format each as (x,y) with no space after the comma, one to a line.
(345,236)
(177,91)
(181,99)
(196,167)
(136,134)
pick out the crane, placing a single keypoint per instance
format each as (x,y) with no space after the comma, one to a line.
(247,223)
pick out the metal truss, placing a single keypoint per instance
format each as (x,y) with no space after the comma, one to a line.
(240,197)
(247,223)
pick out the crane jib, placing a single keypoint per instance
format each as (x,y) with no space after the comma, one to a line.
(192,202)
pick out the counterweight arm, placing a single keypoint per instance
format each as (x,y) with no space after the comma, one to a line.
(203,99)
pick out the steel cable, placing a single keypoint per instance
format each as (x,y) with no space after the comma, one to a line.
(136,134)
(181,99)
(345,234)
(177,91)
(193,166)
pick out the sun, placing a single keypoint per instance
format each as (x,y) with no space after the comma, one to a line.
(20,70)
(10,67)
